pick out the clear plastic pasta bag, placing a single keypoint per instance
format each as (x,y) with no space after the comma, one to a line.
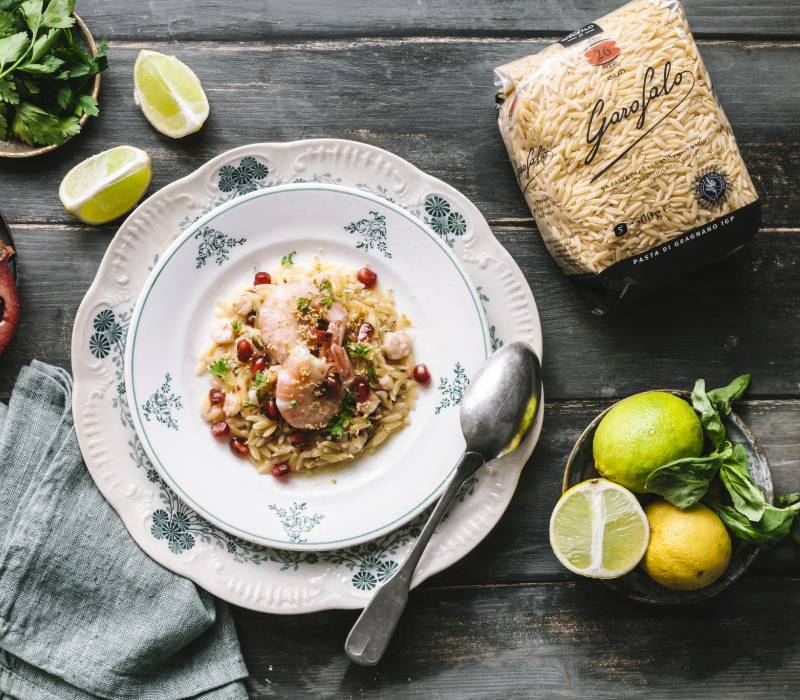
(623,153)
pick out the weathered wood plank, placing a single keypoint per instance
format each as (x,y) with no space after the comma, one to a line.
(733,317)
(429,101)
(574,640)
(248,20)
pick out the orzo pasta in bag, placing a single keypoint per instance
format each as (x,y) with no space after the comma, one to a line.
(623,153)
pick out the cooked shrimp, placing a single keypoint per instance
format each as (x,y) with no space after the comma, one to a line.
(340,360)
(298,394)
(397,345)
(277,319)
(222,332)
(337,322)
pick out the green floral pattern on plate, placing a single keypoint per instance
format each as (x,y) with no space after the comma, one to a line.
(452,389)
(446,222)
(296,522)
(214,244)
(161,403)
(371,233)
(247,177)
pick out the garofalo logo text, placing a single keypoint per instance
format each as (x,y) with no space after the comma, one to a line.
(652,92)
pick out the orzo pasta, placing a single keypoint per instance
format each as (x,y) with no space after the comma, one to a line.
(623,153)
(308,367)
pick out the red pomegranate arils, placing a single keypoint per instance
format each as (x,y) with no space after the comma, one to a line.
(262,278)
(281,469)
(239,447)
(422,374)
(221,429)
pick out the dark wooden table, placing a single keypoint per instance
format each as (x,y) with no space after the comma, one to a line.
(416,78)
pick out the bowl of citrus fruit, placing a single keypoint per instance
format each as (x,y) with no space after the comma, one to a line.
(667,496)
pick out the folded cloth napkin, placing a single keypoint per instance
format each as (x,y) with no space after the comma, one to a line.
(84,612)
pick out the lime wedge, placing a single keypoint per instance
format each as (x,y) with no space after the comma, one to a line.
(599,530)
(169,94)
(106,186)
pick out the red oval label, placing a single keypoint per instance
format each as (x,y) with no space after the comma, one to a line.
(602,52)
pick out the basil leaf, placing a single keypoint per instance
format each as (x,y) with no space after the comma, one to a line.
(735,476)
(709,418)
(774,525)
(722,398)
(685,481)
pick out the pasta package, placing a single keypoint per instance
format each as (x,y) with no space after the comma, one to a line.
(623,154)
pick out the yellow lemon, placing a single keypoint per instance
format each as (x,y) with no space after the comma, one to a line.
(644,432)
(689,549)
(106,186)
(598,529)
(169,93)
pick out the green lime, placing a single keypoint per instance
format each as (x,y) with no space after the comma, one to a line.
(644,432)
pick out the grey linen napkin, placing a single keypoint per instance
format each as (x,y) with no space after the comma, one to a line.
(83,611)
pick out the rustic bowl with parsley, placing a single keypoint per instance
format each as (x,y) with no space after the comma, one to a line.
(49,75)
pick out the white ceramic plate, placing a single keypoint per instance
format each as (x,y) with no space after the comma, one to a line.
(246,574)
(170,329)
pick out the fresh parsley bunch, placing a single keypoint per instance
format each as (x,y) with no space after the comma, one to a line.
(44,72)
(686,481)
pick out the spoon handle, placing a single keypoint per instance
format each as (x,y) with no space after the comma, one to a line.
(374,628)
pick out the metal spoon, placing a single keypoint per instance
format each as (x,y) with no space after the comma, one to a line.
(499,408)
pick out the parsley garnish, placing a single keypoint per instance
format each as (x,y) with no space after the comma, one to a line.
(237,327)
(219,367)
(327,300)
(259,381)
(359,349)
(341,421)
(44,72)
(288,259)
(293,403)
(303,304)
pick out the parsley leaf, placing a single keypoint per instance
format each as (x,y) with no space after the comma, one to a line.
(359,349)
(303,304)
(59,14)
(288,259)
(33,125)
(31,12)
(372,375)
(237,326)
(259,382)
(327,300)
(48,65)
(219,367)
(8,91)
(3,122)
(341,421)
(6,23)
(12,47)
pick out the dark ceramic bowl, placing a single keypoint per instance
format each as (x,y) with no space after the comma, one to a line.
(637,584)
(18,149)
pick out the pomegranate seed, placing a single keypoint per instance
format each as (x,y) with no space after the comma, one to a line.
(244,350)
(367,277)
(332,383)
(258,364)
(281,469)
(216,396)
(422,374)
(322,324)
(262,278)
(239,447)
(220,429)
(323,336)
(297,439)
(251,318)
(362,390)
(365,331)
(272,409)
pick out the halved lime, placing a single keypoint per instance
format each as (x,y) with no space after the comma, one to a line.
(599,530)
(169,93)
(106,186)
